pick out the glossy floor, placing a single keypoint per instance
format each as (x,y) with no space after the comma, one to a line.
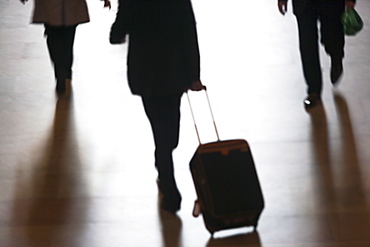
(78,171)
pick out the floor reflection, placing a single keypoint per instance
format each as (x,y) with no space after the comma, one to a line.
(246,239)
(340,188)
(351,194)
(46,197)
(171,229)
(321,155)
(349,146)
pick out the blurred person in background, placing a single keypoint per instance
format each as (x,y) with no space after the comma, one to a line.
(308,13)
(60,18)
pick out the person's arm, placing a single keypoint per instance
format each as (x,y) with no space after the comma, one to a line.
(122,23)
(283,6)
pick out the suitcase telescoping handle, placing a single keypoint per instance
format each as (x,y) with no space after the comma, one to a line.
(210,109)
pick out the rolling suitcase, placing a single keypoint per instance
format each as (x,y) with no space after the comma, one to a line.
(226,182)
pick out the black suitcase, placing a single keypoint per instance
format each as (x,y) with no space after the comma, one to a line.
(226,182)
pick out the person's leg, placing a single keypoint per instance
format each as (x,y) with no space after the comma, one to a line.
(309,48)
(55,49)
(60,45)
(70,33)
(164,116)
(332,35)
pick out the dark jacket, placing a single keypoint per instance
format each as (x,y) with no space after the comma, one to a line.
(300,5)
(163,56)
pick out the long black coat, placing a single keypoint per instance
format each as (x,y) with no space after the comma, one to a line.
(163,55)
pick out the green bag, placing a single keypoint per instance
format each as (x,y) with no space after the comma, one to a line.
(352,22)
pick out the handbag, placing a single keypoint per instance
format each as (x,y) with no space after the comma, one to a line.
(352,22)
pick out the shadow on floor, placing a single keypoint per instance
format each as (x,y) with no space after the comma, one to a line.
(46,199)
(247,239)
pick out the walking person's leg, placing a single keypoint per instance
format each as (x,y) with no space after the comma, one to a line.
(69,39)
(60,41)
(164,116)
(332,35)
(309,50)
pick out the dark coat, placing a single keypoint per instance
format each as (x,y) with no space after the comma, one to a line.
(60,12)
(163,56)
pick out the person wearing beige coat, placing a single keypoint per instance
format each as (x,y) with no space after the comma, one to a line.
(60,18)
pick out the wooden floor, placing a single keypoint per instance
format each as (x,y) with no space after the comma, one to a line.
(78,171)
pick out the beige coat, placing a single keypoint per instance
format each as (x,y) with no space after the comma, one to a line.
(60,12)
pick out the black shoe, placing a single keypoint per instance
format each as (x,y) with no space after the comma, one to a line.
(336,70)
(312,100)
(170,198)
(171,204)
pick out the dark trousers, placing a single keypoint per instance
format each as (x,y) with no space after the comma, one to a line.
(163,113)
(328,13)
(60,41)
